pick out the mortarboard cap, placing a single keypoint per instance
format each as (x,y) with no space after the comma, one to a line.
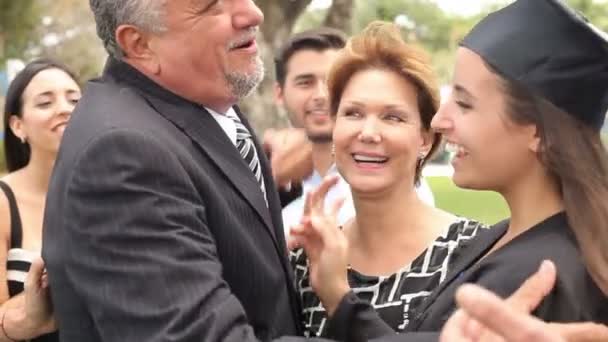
(552,50)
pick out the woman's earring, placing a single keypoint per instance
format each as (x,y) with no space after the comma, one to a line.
(23,140)
(421,156)
(333,150)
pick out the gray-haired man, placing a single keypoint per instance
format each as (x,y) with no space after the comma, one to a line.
(162,221)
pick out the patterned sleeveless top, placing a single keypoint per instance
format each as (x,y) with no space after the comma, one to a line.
(19,260)
(395,297)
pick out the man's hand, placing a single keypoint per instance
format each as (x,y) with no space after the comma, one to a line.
(485,317)
(290,155)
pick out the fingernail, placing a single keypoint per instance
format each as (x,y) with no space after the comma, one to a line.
(546,266)
(464,293)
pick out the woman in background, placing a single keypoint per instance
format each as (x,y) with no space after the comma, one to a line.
(39,103)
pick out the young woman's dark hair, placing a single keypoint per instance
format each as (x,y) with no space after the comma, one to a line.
(573,153)
(17,153)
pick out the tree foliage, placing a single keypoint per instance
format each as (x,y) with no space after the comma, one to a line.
(595,11)
(281,18)
(18,20)
(71,25)
(25,33)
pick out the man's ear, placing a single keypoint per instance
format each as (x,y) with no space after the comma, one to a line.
(278,94)
(137,47)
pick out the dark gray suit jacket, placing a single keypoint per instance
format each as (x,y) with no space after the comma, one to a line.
(155,228)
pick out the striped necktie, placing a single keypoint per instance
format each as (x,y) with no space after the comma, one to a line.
(244,143)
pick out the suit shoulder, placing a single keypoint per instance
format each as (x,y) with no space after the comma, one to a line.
(111,104)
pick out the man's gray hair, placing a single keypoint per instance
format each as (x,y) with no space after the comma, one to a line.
(109,14)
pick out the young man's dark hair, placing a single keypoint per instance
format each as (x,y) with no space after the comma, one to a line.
(316,39)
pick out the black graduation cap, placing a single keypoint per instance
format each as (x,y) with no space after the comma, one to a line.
(552,50)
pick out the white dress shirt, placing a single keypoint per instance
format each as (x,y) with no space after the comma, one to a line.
(292,213)
(228,126)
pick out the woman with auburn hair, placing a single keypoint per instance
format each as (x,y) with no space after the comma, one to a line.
(383,96)
(524,121)
(39,103)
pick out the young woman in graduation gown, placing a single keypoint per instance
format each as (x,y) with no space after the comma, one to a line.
(529,99)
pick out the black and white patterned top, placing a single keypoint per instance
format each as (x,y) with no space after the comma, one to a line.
(395,297)
(19,260)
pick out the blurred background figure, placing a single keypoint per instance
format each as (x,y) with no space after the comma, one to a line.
(38,105)
(301,68)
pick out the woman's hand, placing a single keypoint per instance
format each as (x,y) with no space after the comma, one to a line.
(325,245)
(38,306)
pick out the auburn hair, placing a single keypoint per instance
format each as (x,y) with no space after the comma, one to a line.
(381,46)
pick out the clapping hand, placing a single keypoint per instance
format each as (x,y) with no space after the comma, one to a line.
(290,155)
(484,317)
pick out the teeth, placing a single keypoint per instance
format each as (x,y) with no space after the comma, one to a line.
(454,148)
(362,158)
(318,110)
(451,147)
(240,44)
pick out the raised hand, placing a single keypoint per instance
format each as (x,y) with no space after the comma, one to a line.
(325,245)
(290,155)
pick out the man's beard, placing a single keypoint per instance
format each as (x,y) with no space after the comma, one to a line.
(243,84)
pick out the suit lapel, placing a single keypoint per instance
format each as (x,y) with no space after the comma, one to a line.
(275,211)
(204,130)
(274,204)
(469,254)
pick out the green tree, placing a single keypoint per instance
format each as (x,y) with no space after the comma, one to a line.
(422,22)
(280,20)
(594,10)
(68,34)
(18,20)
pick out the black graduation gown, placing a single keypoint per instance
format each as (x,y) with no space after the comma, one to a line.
(575,297)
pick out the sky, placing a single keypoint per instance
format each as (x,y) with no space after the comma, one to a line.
(462,7)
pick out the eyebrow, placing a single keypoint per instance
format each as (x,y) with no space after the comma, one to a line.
(400,108)
(200,5)
(463,91)
(50,93)
(303,76)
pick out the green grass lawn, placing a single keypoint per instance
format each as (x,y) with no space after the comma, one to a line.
(485,206)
